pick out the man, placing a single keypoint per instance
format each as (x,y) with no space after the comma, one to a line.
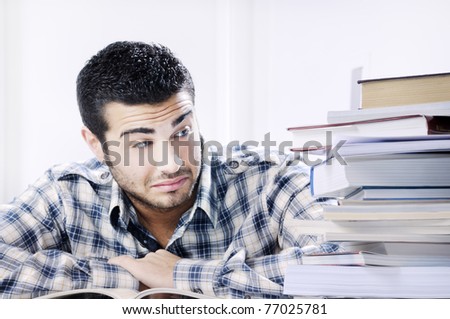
(156,208)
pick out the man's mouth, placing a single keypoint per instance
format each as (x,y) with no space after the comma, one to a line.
(171,185)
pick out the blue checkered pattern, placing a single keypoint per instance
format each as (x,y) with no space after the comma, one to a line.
(236,241)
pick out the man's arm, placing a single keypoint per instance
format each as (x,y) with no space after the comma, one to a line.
(36,253)
(160,262)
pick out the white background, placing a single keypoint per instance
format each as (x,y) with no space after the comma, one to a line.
(259,65)
(263,308)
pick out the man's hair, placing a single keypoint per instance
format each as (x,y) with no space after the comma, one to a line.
(130,73)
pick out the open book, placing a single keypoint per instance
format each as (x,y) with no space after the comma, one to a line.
(122,293)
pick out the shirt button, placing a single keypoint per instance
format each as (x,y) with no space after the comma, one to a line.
(104,175)
(233,164)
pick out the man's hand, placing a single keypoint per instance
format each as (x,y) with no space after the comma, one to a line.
(155,270)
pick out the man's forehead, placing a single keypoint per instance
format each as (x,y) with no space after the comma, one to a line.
(121,116)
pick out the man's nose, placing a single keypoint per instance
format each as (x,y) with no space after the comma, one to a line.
(165,157)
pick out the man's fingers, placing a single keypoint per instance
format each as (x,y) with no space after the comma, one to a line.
(154,270)
(122,261)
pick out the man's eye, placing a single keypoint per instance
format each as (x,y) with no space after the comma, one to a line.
(142,144)
(183,133)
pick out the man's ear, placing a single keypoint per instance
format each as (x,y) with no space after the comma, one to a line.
(93,142)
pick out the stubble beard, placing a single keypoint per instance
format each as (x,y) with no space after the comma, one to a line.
(171,200)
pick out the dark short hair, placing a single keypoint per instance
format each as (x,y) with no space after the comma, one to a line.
(130,73)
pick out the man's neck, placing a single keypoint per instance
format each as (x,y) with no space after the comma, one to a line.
(161,223)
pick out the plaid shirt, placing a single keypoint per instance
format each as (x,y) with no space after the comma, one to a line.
(236,240)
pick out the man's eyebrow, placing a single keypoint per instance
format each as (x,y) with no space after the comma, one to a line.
(181,118)
(144,130)
(147,130)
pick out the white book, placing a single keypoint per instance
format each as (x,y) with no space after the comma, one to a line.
(368,258)
(386,237)
(379,194)
(430,109)
(387,211)
(367,281)
(365,145)
(422,249)
(323,227)
(337,178)
(322,136)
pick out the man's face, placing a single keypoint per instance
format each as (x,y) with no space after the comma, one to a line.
(154,151)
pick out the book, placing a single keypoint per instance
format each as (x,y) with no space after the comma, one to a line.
(384,212)
(422,222)
(397,194)
(417,249)
(430,109)
(398,248)
(405,90)
(380,223)
(390,145)
(122,293)
(367,281)
(334,178)
(392,226)
(322,136)
(368,258)
(386,237)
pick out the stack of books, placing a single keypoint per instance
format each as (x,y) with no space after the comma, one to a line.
(387,165)
(401,106)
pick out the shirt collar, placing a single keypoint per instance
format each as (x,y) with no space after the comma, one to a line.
(120,208)
(206,195)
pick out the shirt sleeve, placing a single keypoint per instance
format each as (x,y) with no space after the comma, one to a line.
(35,253)
(268,241)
